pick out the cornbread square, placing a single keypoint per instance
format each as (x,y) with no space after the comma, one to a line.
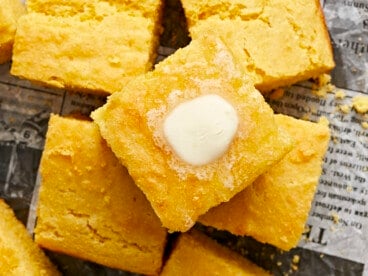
(132,123)
(275,207)
(279,42)
(19,255)
(196,254)
(10,11)
(89,206)
(91,46)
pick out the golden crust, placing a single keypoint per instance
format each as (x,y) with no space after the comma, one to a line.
(275,207)
(19,255)
(196,254)
(89,206)
(131,122)
(278,42)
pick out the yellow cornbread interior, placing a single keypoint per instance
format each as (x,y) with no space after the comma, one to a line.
(19,255)
(89,206)
(274,209)
(10,11)
(92,46)
(196,254)
(279,42)
(131,122)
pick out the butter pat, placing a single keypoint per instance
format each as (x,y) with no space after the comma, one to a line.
(201,130)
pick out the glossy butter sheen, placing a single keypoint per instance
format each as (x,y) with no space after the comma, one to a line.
(201,130)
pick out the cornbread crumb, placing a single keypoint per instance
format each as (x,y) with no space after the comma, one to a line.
(323,90)
(322,86)
(344,108)
(340,95)
(365,125)
(335,217)
(10,11)
(19,255)
(360,104)
(296,259)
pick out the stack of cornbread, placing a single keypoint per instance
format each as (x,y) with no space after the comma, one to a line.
(191,140)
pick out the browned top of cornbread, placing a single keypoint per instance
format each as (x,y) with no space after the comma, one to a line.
(279,42)
(19,255)
(275,207)
(196,254)
(132,120)
(89,206)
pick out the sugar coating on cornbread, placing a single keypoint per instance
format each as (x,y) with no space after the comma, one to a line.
(19,255)
(196,254)
(10,11)
(89,207)
(275,207)
(132,122)
(278,42)
(92,46)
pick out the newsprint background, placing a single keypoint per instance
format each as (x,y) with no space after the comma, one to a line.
(336,237)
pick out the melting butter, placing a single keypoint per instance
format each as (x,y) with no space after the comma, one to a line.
(201,130)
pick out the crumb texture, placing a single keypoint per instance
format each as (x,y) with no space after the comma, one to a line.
(19,255)
(92,209)
(93,46)
(279,42)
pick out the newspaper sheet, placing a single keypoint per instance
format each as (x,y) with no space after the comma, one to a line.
(335,241)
